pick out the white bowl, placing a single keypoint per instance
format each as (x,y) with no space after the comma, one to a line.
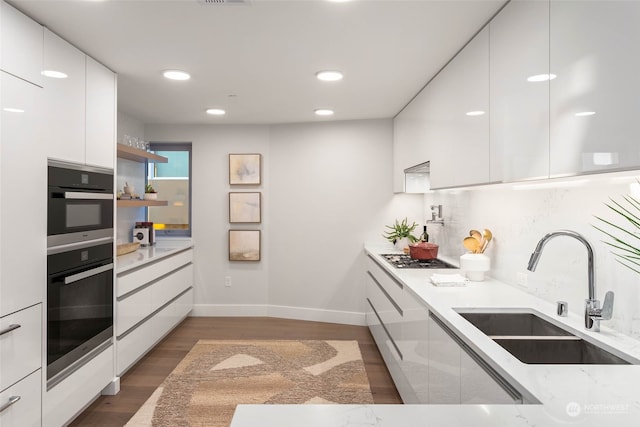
(129,189)
(151,196)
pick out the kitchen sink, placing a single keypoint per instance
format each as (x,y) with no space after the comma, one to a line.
(534,340)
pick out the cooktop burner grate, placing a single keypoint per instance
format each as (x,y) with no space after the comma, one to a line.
(405,261)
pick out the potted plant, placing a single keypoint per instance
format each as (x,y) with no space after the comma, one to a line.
(400,234)
(150,193)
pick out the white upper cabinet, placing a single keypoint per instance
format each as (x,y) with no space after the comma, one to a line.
(21,42)
(595,98)
(519,65)
(64,100)
(23,207)
(100,115)
(460,143)
(411,129)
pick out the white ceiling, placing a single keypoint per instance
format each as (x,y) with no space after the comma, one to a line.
(258,60)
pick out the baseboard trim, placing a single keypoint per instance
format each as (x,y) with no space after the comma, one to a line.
(281,311)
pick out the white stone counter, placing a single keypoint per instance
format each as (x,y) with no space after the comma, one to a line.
(144,255)
(569,394)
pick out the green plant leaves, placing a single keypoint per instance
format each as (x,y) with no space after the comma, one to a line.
(400,230)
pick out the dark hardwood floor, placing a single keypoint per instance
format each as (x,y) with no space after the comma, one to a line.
(142,379)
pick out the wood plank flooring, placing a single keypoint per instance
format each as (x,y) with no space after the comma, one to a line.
(142,379)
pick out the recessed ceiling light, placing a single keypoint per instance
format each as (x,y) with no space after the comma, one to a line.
(474,113)
(329,75)
(216,111)
(54,74)
(541,78)
(585,113)
(323,112)
(13,110)
(176,75)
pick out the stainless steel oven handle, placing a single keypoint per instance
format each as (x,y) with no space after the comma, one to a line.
(10,328)
(75,195)
(76,277)
(12,400)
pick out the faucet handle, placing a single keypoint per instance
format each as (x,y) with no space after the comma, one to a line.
(607,306)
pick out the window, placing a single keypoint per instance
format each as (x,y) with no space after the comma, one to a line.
(172,181)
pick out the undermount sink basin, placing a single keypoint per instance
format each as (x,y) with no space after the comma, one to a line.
(565,350)
(510,324)
(534,340)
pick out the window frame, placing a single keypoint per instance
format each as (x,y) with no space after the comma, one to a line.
(174,146)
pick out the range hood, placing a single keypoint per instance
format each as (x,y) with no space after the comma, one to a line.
(416,178)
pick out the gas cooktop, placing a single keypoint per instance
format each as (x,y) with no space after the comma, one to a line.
(405,261)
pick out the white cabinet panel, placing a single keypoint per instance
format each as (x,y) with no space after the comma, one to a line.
(184,304)
(519,51)
(64,100)
(100,115)
(477,387)
(131,347)
(21,41)
(596,95)
(168,287)
(461,145)
(133,309)
(23,175)
(129,281)
(66,399)
(444,366)
(415,349)
(26,411)
(21,345)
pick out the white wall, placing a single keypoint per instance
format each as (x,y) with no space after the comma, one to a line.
(326,189)
(520,214)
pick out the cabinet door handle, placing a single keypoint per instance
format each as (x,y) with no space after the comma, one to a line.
(12,327)
(75,195)
(80,276)
(12,400)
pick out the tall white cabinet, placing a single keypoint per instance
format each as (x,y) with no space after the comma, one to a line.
(519,76)
(22,226)
(596,95)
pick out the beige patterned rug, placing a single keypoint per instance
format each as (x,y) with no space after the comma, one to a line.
(206,386)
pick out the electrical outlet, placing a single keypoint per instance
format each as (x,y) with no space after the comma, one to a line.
(521,279)
(227,281)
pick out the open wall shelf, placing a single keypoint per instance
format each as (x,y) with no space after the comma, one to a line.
(141,203)
(138,155)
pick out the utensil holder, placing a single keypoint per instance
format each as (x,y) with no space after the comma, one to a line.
(474,266)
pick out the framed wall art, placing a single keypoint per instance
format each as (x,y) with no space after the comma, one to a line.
(245,207)
(245,169)
(244,245)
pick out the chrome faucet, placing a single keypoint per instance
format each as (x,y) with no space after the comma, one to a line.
(592,313)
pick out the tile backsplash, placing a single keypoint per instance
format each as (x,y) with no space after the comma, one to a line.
(520,214)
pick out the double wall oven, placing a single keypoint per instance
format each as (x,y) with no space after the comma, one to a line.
(79,312)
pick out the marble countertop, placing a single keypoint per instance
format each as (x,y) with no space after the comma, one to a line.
(569,394)
(147,254)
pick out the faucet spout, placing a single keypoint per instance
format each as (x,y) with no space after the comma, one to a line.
(592,305)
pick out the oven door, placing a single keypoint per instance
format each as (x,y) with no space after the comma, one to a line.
(75,216)
(79,308)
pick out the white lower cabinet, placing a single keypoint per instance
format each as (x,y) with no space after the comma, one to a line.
(428,362)
(151,300)
(20,345)
(20,404)
(457,375)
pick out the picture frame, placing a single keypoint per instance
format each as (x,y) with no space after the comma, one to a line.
(245,169)
(244,245)
(245,207)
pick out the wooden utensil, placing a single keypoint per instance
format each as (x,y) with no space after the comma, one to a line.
(471,244)
(476,235)
(487,236)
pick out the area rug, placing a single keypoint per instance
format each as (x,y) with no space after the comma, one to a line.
(215,376)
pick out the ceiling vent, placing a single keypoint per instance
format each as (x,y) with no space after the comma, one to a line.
(218,2)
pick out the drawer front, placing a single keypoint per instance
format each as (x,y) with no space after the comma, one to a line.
(133,309)
(388,310)
(131,347)
(169,287)
(26,411)
(184,304)
(130,281)
(20,347)
(390,285)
